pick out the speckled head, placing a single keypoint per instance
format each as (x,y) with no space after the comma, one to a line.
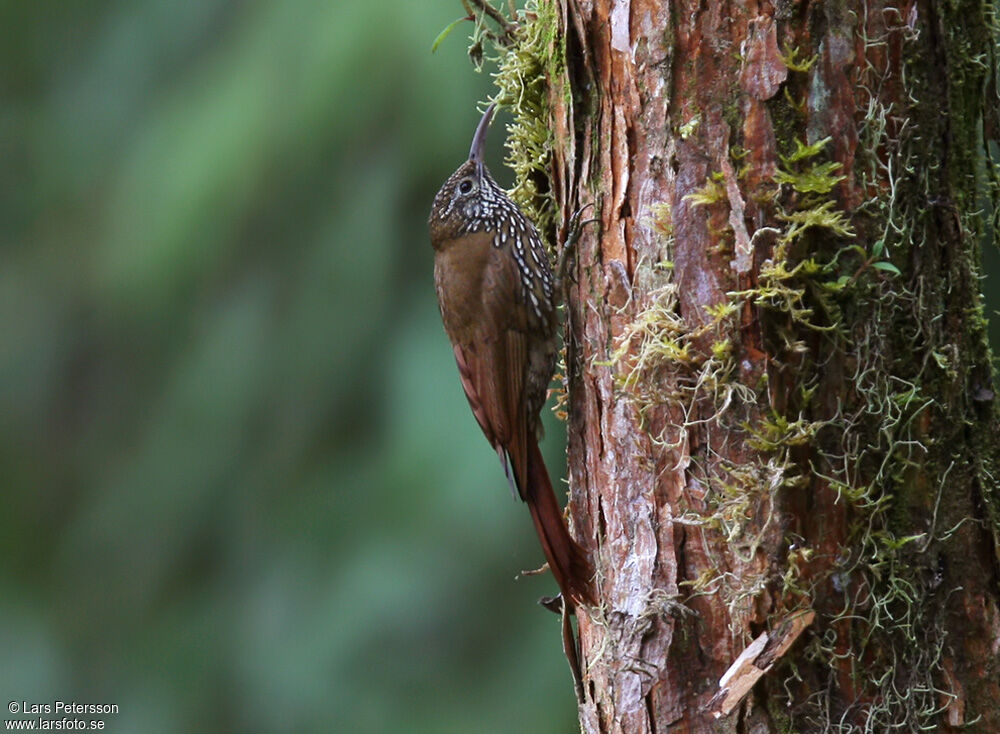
(470,200)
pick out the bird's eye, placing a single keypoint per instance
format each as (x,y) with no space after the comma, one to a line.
(465,187)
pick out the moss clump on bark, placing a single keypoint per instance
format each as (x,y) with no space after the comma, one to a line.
(533,55)
(523,75)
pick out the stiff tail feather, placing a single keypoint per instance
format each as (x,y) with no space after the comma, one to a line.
(569,563)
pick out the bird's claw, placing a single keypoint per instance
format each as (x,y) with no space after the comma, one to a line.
(553,603)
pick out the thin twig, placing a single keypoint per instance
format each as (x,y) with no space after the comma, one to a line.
(509,29)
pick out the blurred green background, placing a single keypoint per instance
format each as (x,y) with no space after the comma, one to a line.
(242,490)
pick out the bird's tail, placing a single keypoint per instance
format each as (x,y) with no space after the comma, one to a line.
(570,564)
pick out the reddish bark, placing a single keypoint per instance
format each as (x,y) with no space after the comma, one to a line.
(664,93)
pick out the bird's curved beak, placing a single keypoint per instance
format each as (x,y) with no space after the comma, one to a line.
(479,139)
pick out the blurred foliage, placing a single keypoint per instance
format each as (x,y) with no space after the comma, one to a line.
(242,488)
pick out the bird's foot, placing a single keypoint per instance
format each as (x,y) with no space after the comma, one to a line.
(553,603)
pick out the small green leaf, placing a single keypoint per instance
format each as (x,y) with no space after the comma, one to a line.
(802,151)
(879,248)
(444,34)
(819,179)
(886,266)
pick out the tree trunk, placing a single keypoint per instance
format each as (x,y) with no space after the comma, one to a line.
(782,420)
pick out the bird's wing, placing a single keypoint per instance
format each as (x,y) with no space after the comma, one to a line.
(493,361)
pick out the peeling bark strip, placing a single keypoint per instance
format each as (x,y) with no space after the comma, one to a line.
(764,424)
(753,662)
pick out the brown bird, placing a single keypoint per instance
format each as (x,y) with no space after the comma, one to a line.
(497,296)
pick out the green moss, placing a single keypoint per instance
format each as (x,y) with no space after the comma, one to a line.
(822,216)
(804,152)
(711,193)
(688,128)
(809,178)
(523,78)
(530,54)
(662,221)
(792,59)
(775,432)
